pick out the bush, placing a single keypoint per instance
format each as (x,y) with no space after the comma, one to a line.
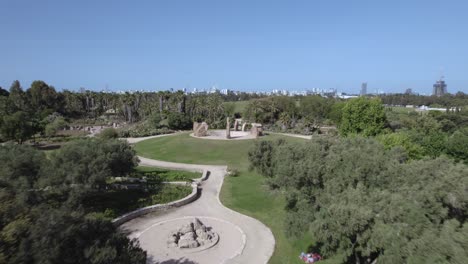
(179,121)
(142,130)
(233,172)
(109,133)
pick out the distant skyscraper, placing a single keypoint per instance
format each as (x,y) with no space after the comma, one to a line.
(409,91)
(363,88)
(439,88)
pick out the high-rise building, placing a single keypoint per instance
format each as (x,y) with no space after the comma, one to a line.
(363,88)
(439,88)
(409,91)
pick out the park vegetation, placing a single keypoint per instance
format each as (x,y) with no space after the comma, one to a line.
(56,208)
(390,189)
(386,183)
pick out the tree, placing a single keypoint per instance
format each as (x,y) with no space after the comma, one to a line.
(403,140)
(179,121)
(3,92)
(457,145)
(18,97)
(38,226)
(54,126)
(44,99)
(88,163)
(363,116)
(17,126)
(365,204)
(75,238)
(315,109)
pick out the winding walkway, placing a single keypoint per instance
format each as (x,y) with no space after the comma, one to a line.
(242,239)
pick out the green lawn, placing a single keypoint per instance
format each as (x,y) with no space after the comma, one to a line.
(245,193)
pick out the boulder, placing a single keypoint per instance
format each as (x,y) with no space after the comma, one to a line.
(186,229)
(200,129)
(188,243)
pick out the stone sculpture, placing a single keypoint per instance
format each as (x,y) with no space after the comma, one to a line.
(192,235)
(243,127)
(200,129)
(257,130)
(228,128)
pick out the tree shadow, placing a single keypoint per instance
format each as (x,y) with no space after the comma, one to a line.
(182,260)
(315,248)
(208,173)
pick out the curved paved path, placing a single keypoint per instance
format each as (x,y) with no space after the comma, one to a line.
(256,242)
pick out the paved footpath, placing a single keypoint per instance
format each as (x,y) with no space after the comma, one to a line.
(242,239)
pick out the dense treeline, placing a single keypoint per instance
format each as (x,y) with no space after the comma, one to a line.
(448,100)
(297,114)
(365,203)
(40,109)
(42,218)
(420,134)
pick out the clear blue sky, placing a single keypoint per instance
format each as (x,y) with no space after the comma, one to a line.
(244,45)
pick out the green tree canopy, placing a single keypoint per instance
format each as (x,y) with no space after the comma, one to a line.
(18,127)
(363,116)
(364,202)
(39,224)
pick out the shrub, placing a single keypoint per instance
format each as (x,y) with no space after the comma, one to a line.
(109,133)
(179,121)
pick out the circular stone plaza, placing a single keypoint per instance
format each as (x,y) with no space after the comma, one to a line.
(202,231)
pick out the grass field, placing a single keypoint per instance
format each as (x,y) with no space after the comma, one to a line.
(245,193)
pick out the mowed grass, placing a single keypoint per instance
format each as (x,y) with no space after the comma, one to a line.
(245,193)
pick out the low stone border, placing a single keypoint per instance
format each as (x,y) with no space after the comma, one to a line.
(158,207)
(161,207)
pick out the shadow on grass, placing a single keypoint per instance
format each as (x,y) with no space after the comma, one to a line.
(315,248)
(172,261)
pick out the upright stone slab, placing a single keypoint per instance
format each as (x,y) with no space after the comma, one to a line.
(228,128)
(243,127)
(195,126)
(236,124)
(257,130)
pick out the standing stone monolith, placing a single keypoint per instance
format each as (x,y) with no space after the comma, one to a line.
(243,127)
(228,128)
(236,124)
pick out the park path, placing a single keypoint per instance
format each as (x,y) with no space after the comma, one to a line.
(257,241)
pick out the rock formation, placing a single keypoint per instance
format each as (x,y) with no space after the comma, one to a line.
(192,235)
(257,130)
(200,129)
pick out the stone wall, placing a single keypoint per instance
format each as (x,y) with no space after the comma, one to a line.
(161,207)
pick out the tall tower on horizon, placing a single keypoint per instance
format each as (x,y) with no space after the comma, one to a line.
(440,87)
(363,89)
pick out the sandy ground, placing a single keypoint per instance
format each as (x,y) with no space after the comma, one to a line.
(138,139)
(220,134)
(242,239)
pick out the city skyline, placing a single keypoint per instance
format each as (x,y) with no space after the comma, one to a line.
(262,46)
